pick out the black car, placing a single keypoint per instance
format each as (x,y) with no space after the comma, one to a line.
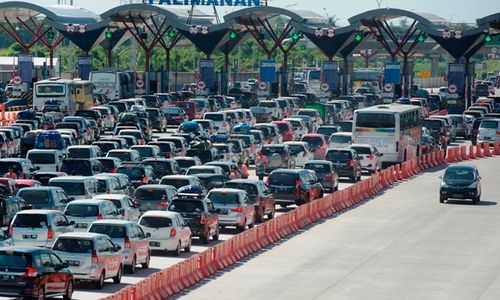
(81,167)
(293,186)
(346,161)
(163,166)
(272,157)
(167,149)
(205,156)
(175,115)
(138,173)
(109,164)
(345,126)
(154,197)
(106,146)
(328,130)
(212,181)
(32,272)
(475,130)
(199,214)
(157,119)
(325,170)
(461,182)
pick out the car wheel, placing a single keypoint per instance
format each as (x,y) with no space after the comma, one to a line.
(69,291)
(216,235)
(242,227)
(188,247)
(353,178)
(99,284)
(40,293)
(177,251)
(336,188)
(131,268)
(442,199)
(118,277)
(204,239)
(270,216)
(252,224)
(145,264)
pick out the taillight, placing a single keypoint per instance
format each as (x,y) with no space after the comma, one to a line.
(498,132)
(144,180)
(173,232)
(424,147)
(50,233)
(114,170)
(237,210)
(351,162)
(99,217)
(137,202)
(95,259)
(371,156)
(329,176)
(126,242)
(163,204)
(31,272)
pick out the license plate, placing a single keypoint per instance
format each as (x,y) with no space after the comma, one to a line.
(7,277)
(30,236)
(74,263)
(456,195)
(81,225)
(154,244)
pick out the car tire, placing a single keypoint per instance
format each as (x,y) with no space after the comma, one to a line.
(188,247)
(131,268)
(241,228)
(99,284)
(204,239)
(215,237)
(69,291)
(442,199)
(270,216)
(40,293)
(145,264)
(259,216)
(336,188)
(177,251)
(118,278)
(353,178)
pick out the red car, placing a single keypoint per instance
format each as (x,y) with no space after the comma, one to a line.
(317,143)
(22,183)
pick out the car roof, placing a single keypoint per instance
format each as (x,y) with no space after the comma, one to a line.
(462,166)
(362,145)
(319,162)
(83,235)
(38,212)
(110,196)
(246,181)
(113,222)
(155,187)
(227,190)
(178,177)
(71,178)
(88,201)
(290,171)
(42,188)
(160,213)
(30,250)
(342,134)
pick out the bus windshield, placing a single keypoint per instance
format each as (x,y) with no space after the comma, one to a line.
(52,89)
(375,120)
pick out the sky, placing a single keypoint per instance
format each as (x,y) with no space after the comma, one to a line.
(453,10)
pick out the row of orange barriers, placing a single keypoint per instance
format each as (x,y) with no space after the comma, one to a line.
(176,278)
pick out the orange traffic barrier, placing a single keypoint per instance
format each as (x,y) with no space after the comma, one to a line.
(496,149)
(463,153)
(398,172)
(486,149)
(479,152)
(472,154)
(451,155)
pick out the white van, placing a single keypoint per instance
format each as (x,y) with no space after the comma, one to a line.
(220,119)
(489,130)
(46,160)
(77,187)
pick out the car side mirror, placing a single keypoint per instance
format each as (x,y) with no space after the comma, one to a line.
(381,154)
(71,223)
(65,265)
(71,199)
(148,235)
(118,248)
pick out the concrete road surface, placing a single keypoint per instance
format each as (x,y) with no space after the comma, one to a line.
(402,244)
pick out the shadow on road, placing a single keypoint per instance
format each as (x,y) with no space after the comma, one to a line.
(469,202)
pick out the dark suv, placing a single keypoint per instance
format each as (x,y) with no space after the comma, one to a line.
(138,173)
(294,186)
(346,161)
(272,157)
(325,170)
(258,194)
(32,272)
(199,214)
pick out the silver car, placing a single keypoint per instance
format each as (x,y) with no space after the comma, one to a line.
(371,159)
(84,212)
(233,207)
(126,207)
(90,256)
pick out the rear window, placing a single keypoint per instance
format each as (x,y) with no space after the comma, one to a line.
(315,142)
(283,127)
(249,188)
(80,167)
(287,179)
(79,153)
(327,130)
(362,150)
(71,188)
(42,158)
(489,124)
(156,222)
(34,196)
(74,245)
(123,156)
(144,151)
(136,134)
(114,232)
(338,155)
(30,220)
(341,139)
(374,120)
(214,117)
(432,124)
(177,183)
(200,171)
(310,113)
(161,167)
(318,168)
(149,194)
(186,206)
(273,150)
(270,104)
(224,198)
(13,260)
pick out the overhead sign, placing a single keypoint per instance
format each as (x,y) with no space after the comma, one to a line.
(452,88)
(247,3)
(262,85)
(446,34)
(201,85)
(456,77)
(207,73)
(329,75)
(325,87)
(139,83)
(80,28)
(392,72)
(268,70)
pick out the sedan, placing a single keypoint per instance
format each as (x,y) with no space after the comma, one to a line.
(461,182)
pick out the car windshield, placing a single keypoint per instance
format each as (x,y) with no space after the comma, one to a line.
(340,139)
(34,196)
(149,194)
(113,231)
(186,206)
(224,198)
(489,124)
(132,172)
(283,127)
(177,183)
(314,142)
(171,110)
(123,156)
(338,155)
(200,171)
(73,245)
(432,124)
(145,151)
(107,164)
(362,150)
(42,158)
(4,167)
(272,150)
(13,260)
(156,222)
(286,179)
(71,188)
(318,168)
(30,220)
(186,163)
(459,173)
(214,117)
(295,149)
(161,167)
(251,189)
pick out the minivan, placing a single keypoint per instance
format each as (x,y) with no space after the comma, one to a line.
(45,160)
(78,187)
(45,197)
(84,212)
(489,131)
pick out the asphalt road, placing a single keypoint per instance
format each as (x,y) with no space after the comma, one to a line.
(402,244)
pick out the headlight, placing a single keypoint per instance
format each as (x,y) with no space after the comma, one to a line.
(443,184)
(472,186)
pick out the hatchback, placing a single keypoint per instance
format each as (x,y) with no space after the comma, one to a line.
(234,208)
(91,257)
(371,159)
(84,212)
(347,162)
(489,131)
(154,197)
(325,170)
(138,173)
(461,182)
(317,143)
(259,194)
(126,207)
(294,186)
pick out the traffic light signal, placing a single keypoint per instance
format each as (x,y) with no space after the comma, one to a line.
(295,36)
(108,35)
(358,37)
(171,34)
(421,38)
(488,38)
(232,35)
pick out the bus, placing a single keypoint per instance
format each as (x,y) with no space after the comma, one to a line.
(113,85)
(394,129)
(73,94)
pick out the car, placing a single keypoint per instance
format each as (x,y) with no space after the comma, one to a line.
(286,130)
(346,161)
(208,126)
(317,144)
(325,170)
(84,212)
(299,127)
(109,164)
(463,129)
(345,126)
(9,206)
(168,231)
(340,140)
(234,208)
(137,133)
(126,207)
(81,166)
(272,133)
(47,197)
(77,187)
(108,185)
(154,197)
(185,162)
(163,166)
(274,107)
(313,113)
(272,157)
(167,149)
(300,151)
(212,181)
(91,257)
(199,214)
(106,146)
(328,130)
(461,182)
(180,143)
(206,169)
(46,160)
(294,186)
(450,126)
(21,166)
(158,119)
(123,180)
(220,119)
(130,237)
(225,151)
(38,227)
(179,181)
(34,272)
(489,131)
(262,114)
(229,168)
(259,194)
(125,155)
(371,159)
(250,147)
(147,151)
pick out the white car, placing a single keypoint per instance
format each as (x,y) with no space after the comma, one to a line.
(169,232)
(124,204)
(84,212)
(38,227)
(301,152)
(90,257)
(273,106)
(47,160)
(371,159)
(204,170)
(298,126)
(340,140)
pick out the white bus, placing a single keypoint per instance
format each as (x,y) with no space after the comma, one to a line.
(113,85)
(395,130)
(73,94)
